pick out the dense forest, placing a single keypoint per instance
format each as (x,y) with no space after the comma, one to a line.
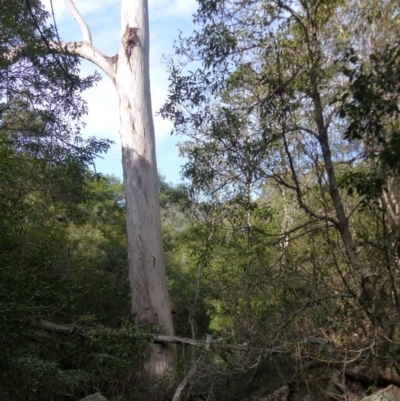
(282,246)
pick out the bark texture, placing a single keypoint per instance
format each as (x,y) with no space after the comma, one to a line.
(129,71)
(150,303)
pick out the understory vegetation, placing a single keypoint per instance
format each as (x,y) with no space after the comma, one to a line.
(283,244)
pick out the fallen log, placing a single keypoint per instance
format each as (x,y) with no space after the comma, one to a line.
(75,330)
(65,329)
(161,338)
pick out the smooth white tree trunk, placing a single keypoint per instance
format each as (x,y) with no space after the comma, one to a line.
(150,303)
(129,71)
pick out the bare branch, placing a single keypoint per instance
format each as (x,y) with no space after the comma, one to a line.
(79,19)
(81,49)
(14,54)
(186,380)
(157,338)
(296,16)
(160,338)
(296,128)
(356,206)
(88,52)
(300,200)
(306,305)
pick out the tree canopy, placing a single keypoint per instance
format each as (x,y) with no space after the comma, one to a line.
(282,247)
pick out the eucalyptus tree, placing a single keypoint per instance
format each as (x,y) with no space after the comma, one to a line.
(129,72)
(279,67)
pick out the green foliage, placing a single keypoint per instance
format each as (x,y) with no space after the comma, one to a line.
(286,237)
(69,271)
(187,294)
(56,367)
(290,133)
(362,183)
(371,104)
(63,247)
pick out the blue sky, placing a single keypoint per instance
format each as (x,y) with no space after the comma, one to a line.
(167,18)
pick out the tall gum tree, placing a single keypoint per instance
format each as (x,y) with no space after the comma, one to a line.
(129,71)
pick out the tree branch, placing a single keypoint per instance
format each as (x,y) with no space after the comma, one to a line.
(186,380)
(356,206)
(300,200)
(300,128)
(14,54)
(81,49)
(192,371)
(88,52)
(157,338)
(79,19)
